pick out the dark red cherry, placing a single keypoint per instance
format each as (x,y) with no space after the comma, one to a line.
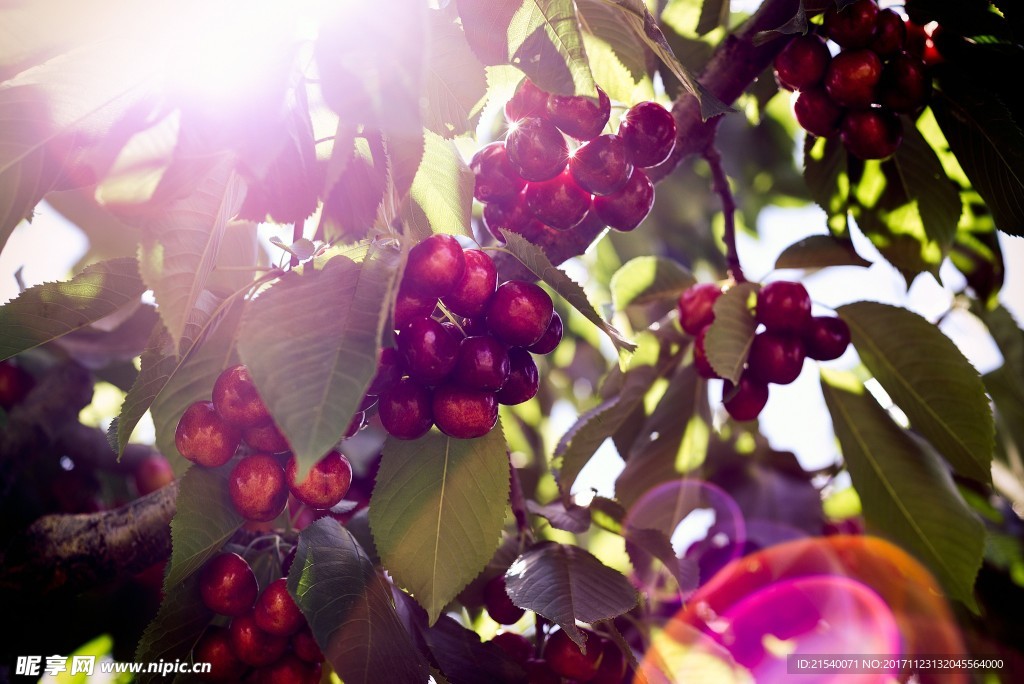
(496,180)
(411,305)
(890,33)
(817,113)
(518,313)
(389,369)
(745,401)
(267,437)
(428,351)
(852,78)
(905,86)
(204,437)
(582,118)
(475,287)
(482,363)
(696,307)
(289,669)
(304,645)
(15,384)
(776,357)
(826,338)
(228,585)
(512,216)
(612,669)
(499,606)
(516,646)
(523,379)
(854,26)
(552,336)
(214,647)
(464,413)
(625,209)
(649,131)
(802,63)
(601,166)
(536,149)
(700,356)
(434,267)
(236,399)
(568,660)
(559,202)
(405,410)
(528,100)
(258,487)
(325,484)
(783,306)
(275,611)
(872,133)
(252,645)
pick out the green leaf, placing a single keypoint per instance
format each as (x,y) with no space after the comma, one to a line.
(544,41)
(437,512)
(648,279)
(820,251)
(905,488)
(349,606)
(728,340)
(713,13)
(601,22)
(175,629)
(455,80)
(926,184)
(534,259)
(989,145)
(179,248)
(359,169)
(311,343)
(204,521)
(45,312)
(565,583)
(441,196)
(929,379)
(827,179)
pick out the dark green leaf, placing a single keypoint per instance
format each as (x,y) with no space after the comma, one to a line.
(534,259)
(713,13)
(204,521)
(349,606)
(544,42)
(437,512)
(936,196)
(601,23)
(906,490)
(728,340)
(648,279)
(1008,336)
(175,629)
(820,251)
(45,312)
(565,583)
(930,380)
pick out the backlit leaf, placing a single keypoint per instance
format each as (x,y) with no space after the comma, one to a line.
(441,196)
(647,279)
(728,340)
(820,251)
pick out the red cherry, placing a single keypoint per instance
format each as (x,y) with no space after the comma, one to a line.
(252,645)
(696,307)
(204,437)
(152,473)
(905,86)
(482,363)
(236,399)
(518,313)
(470,295)
(890,33)
(214,647)
(389,369)
(802,63)
(276,612)
(625,209)
(601,166)
(776,357)
(582,118)
(551,337)
(289,669)
(15,384)
(411,305)
(700,356)
(428,351)
(745,402)
(326,483)
(539,672)
(228,585)
(559,202)
(854,26)
(499,606)
(613,665)
(649,131)
(566,658)
(405,410)
(267,437)
(496,180)
(304,645)
(871,134)
(258,488)
(852,78)
(536,149)
(464,413)
(523,379)
(783,306)
(528,100)
(817,113)
(513,216)
(435,266)
(516,646)
(826,338)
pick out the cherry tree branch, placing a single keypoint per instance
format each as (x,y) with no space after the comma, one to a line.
(720,183)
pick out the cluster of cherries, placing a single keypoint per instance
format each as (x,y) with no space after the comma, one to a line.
(789,335)
(555,167)
(268,631)
(209,433)
(877,75)
(454,363)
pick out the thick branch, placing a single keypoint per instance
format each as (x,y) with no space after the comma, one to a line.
(77,552)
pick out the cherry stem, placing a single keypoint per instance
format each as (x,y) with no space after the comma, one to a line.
(720,184)
(518,502)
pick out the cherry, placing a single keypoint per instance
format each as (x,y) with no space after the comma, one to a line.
(228,585)
(523,379)
(325,485)
(783,306)
(613,664)
(817,113)
(498,604)
(435,266)
(304,646)
(152,473)
(536,149)
(826,338)
(601,166)
(389,369)
(518,313)
(496,180)
(464,413)
(236,399)
(854,26)
(513,216)
(475,287)
(289,669)
(411,305)
(649,131)
(890,33)
(15,384)
(267,437)
(852,78)
(579,117)
(871,134)
(428,350)
(539,672)
(625,209)
(252,645)
(276,612)
(355,424)
(551,337)
(405,410)
(482,363)
(559,202)
(776,357)
(566,658)
(700,356)
(696,306)
(905,86)
(258,487)
(516,646)
(214,647)
(745,401)
(802,63)
(204,437)
(528,100)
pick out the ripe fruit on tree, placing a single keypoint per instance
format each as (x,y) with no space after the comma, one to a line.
(523,378)
(204,437)
(435,266)
(152,473)
(428,350)
(696,307)
(626,209)
(258,487)
(304,645)
(568,660)
(776,357)
(746,400)
(463,412)
(516,646)
(528,100)
(579,117)
(558,202)
(853,26)
(890,33)
(700,356)
(649,132)
(289,669)
(802,63)
(252,645)
(228,585)
(326,483)
(236,400)
(783,306)
(214,647)
(852,78)
(536,149)
(519,313)
(817,113)
(498,604)
(496,180)
(905,86)
(275,611)
(550,339)
(482,363)
(405,410)
(826,338)
(475,287)
(602,166)
(613,664)
(872,133)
